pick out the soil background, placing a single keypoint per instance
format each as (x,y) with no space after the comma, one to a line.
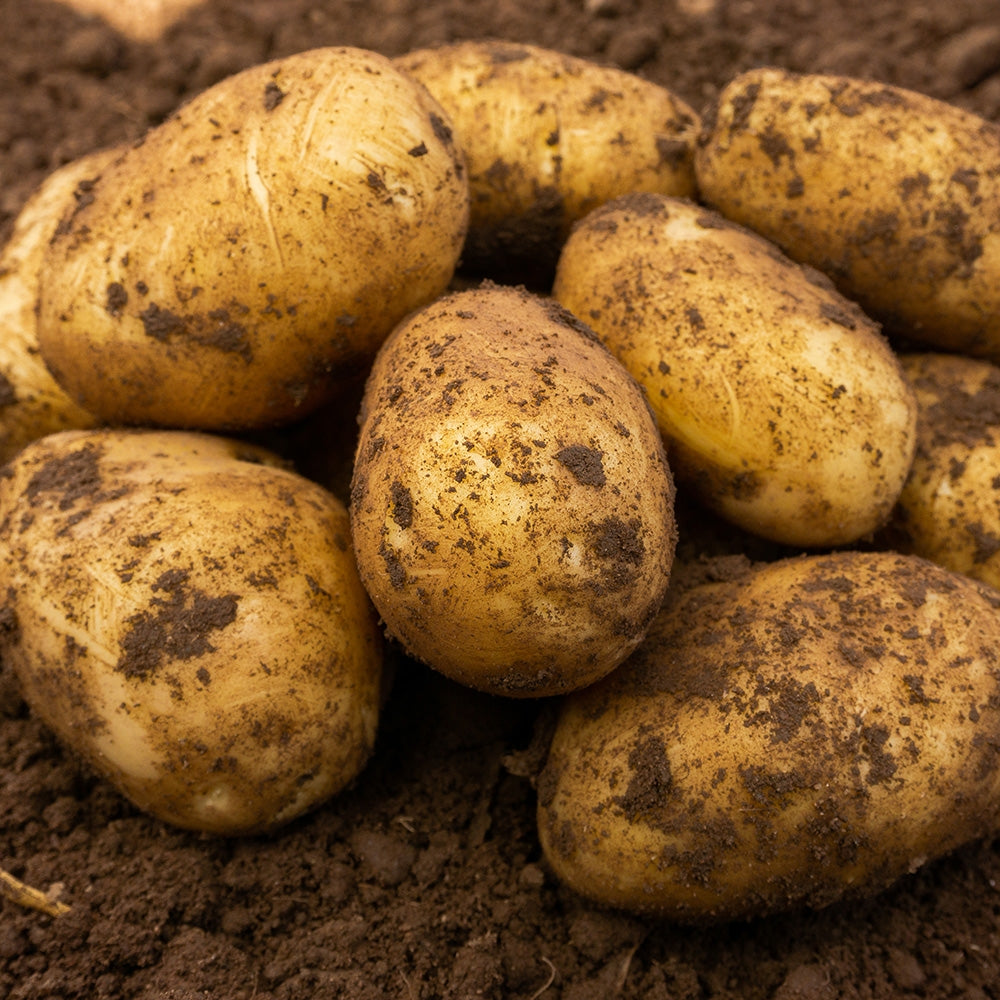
(425,879)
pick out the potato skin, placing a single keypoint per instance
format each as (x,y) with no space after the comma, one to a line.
(511,505)
(230,269)
(187,616)
(32,403)
(783,407)
(893,194)
(949,508)
(793,734)
(547,138)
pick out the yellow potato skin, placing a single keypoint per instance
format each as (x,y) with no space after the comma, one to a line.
(783,408)
(893,194)
(547,138)
(949,508)
(511,505)
(186,615)
(788,735)
(32,403)
(232,268)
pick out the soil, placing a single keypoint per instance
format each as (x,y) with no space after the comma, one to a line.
(425,879)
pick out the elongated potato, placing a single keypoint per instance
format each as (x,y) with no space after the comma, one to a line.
(511,505)
(799,732)
(547,138)
(32,403)
(949,508)
(783,407)
(231,268)
(895,195)
(188,618)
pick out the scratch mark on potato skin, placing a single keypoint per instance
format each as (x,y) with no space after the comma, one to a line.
(261,194)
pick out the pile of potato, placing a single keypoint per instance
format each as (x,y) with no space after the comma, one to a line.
(558,300)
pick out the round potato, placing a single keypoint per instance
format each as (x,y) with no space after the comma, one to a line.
(547,138)
(232,268)
(511,505)
(188,618)
(32,403)
(783,407)
(949,508)
(893,194)
(789,734)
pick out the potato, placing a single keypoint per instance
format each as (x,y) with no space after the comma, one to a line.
(228,271)
(895,195)
(32,403)
(188,618)
(788,735)
(139,20)
(784,409)
(548,137)
(949,508)
(511,505)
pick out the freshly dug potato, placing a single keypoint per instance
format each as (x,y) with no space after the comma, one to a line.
(949,508)
(140,20)
(783,407)
(511,505)
(188,618)
(788,735)
(32,403)
(547,138)
(229,270)
(895,195)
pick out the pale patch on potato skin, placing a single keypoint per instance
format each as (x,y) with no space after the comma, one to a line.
(783,407)
(547,138)
(787,735)
(949,508)
(186,615)
(247,257)
(511,504)
(893,194)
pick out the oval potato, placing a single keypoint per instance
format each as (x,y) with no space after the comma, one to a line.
(783,407)
(511,505)
(949,508)
(187,617)
(253,250)
(32,403)
(893,194)
(547,138)
(787,735)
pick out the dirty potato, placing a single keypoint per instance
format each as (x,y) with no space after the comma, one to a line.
(789,734)
(895,195)
(32,403)
(229,270)
(547,138)
(783,407)
(511,505)
(949,508)
(187,616)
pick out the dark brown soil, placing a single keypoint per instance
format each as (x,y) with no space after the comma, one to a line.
(425,880)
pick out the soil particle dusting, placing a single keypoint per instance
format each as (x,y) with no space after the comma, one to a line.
(424,881)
